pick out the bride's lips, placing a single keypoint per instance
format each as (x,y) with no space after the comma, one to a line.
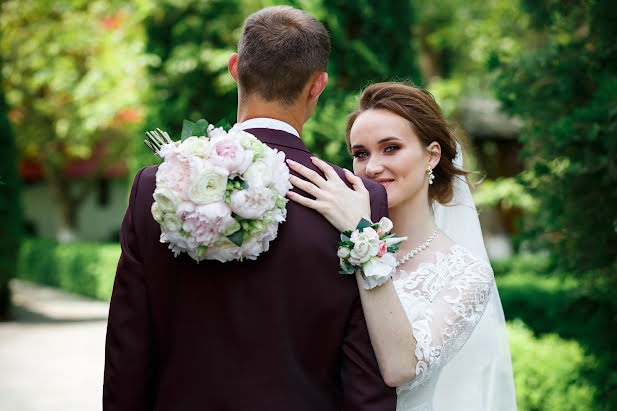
(384,181)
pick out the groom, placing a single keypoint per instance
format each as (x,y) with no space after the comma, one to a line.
(284,332)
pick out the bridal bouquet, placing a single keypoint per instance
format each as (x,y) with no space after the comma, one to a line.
(220,195)
(370,248)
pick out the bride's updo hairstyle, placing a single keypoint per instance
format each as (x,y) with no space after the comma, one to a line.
(423,113)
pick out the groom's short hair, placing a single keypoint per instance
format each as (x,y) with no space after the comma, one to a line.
(280,49)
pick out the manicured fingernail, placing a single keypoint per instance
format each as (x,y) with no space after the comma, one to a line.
(313,159)
(291,162)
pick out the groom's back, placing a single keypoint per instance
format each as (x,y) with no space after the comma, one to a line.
(284,332)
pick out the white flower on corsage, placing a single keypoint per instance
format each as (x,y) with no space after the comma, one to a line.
(220,195)
(370,248)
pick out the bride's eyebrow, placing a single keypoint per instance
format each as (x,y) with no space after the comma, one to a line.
(383,140)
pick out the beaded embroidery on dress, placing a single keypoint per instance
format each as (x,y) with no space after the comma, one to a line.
(443,300)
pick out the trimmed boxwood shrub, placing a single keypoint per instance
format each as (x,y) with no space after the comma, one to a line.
(82,268)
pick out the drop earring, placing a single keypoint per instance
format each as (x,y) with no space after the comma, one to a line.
(431,176)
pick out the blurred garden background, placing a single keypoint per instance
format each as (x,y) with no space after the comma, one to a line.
(529,84)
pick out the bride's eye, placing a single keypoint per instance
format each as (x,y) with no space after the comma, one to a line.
(360,154)
(391,148)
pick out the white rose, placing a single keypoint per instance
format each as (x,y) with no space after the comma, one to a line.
(157,214)
(258,173)
(378,270)
(385,224)
(360,253)
(366,246)
(167,199)
(343,252)
(251,203)
(208,187)
(171,222)
(196,146)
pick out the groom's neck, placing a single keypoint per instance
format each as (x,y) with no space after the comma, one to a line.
(294,115)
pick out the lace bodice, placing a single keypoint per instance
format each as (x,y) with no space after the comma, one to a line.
(443,300)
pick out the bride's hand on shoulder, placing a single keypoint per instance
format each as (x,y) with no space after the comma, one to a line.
(342,206)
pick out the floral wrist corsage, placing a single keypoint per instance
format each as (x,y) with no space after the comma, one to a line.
(370,248)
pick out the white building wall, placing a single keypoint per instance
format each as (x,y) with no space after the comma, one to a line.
(97,222)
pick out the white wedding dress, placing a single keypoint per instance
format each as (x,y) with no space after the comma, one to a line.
(453,306)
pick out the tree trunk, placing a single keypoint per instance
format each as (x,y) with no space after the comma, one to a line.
(67,230)
(68,202)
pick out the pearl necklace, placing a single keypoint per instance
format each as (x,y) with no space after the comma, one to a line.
(416,250)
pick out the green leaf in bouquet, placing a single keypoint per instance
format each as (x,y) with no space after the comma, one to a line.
(201,128)
(346,267)
(348,244)
(346,235)
(237,238)
(187,129)
(394,248)
(202,250)
(223,123)
(363,224)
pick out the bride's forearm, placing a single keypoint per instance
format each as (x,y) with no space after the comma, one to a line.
(390,332)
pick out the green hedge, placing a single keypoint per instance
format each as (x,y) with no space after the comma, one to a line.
(82,268)
(562,307)
(549,372)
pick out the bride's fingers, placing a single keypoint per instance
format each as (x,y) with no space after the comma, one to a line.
(305,186)
(307,173)
(300,199)
(326,168)
(355,181)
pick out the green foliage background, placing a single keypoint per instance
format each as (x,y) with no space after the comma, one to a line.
(77,73)
(564,88)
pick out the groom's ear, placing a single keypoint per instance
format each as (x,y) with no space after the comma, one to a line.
(233,66)
(317,86)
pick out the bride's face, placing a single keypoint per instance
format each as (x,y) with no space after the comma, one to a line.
(387,150)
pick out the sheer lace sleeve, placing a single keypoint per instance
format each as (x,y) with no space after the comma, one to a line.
(444,301)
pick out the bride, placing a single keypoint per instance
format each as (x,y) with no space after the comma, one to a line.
(437,327)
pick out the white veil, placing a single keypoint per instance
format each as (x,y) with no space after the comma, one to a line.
(479,376)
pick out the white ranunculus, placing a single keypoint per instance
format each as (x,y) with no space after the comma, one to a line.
(258,174)
(167,199)
(171,222)
(385,224)
(157,214)
(208,187)
(196,146)
(251,203)
(366,245)
(247,139)
(378,270)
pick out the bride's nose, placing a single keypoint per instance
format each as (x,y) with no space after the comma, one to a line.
(374,167)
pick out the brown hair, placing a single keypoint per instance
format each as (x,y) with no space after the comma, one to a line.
(423,113)
(280,49)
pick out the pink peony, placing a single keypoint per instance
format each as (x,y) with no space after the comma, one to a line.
(206,223)
(229,154)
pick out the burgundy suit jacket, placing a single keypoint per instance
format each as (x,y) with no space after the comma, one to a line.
(284,332)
